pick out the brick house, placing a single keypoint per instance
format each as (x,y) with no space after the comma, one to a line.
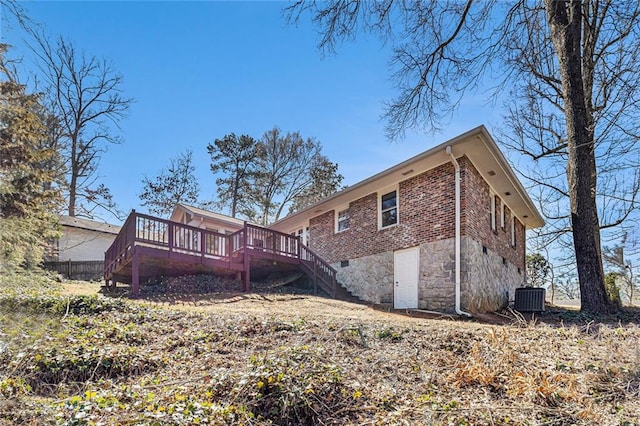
(443,231)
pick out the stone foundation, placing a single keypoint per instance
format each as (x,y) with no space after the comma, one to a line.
(436,289)
(369,277)
(488,282)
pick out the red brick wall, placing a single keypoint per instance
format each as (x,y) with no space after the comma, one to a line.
(426,212)
(476,221)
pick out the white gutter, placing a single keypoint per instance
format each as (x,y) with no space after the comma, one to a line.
(459,311)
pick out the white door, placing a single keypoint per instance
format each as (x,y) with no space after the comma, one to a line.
(405,273)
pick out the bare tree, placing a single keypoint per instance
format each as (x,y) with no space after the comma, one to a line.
(284,166)
(324,181)
(260,179)
(173,184)
(85,93)
(569,49)
(568,287)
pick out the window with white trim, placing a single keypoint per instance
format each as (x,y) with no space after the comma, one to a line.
(503,213)
(303,235)
(342,220)
(389,209)
(492,210)
(513,231)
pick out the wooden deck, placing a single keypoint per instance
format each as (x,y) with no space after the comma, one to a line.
(148,247)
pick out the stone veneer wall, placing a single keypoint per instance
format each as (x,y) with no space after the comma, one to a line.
(371,277)
(488,281)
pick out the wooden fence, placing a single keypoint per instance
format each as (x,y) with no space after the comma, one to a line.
(78,270)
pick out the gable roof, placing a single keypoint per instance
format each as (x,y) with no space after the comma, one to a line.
(91,225)
(477,144)
(218,217)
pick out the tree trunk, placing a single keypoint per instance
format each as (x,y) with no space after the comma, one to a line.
(565,22)
(72,194)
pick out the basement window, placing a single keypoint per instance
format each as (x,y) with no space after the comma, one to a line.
(344,263)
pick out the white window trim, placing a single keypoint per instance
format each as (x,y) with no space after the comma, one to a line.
(513,231)
(502,213)
(304,238)
(386,191)
(492,209)
(337,211)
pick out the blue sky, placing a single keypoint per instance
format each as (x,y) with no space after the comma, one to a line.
(200,70)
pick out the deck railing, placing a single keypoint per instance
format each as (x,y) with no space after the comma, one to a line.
(325,275)
(145,230)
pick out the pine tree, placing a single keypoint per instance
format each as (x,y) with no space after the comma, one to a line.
(28,200)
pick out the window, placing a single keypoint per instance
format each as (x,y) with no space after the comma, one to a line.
(302,234)
(389,209)
(513,231)
(342,220)
(503,213)
(492,210)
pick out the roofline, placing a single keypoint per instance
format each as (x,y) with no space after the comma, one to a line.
(480,131)
(217,216)
(88,228)
(509,173)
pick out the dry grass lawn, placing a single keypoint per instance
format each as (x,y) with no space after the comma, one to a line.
(298,359)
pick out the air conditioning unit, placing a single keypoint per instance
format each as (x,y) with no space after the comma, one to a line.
(530,299)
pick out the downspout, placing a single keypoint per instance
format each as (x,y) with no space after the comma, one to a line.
(456,166)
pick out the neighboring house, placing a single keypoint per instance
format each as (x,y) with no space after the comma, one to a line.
(79,253)
(84,239)
(393,237)
(442,231)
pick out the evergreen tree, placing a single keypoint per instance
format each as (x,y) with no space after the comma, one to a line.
(28,200)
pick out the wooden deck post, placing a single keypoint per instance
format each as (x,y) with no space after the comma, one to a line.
(171,231)
(202,243)
(247,260)
(135,274)
(315,278)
